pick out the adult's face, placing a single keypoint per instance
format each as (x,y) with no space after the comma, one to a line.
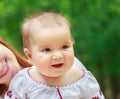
(8,65)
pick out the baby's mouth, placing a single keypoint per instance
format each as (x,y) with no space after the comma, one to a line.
(57,65)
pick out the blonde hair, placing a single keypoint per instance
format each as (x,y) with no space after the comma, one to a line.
(44,19)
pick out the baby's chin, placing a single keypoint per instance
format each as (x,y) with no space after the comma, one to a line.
(52,76)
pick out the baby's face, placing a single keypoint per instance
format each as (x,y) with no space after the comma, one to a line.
(52,50)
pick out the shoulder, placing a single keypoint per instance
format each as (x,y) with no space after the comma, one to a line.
(89,86)
(88,79)
(19,84)
(23,72)
(21,78)
(84,84)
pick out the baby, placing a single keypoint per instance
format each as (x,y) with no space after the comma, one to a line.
(48,44)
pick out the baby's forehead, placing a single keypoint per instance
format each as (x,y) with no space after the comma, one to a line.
(42,24)
(36,26)
(47,23)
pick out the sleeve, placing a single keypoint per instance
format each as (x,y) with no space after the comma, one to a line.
(17,88)
(99,95)
(96,91)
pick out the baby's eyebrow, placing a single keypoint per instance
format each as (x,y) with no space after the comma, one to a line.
(68,43)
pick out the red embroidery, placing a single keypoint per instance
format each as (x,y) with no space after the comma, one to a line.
(97,97)
(100,92)
(59,93)
(9,93)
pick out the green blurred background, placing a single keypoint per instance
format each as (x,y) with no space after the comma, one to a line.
(95,26)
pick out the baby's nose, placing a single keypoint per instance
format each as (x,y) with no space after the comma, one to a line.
(57,55)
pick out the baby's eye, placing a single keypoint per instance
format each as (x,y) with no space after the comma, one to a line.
(46,50)
(65,46)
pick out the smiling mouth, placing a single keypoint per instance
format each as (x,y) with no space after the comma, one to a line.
(57,65)
(5,71)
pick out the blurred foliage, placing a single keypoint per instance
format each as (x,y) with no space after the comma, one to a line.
(95,26)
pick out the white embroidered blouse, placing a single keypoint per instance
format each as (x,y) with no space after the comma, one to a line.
(23,86)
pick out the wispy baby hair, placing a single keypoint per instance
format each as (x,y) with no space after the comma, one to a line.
(43,20)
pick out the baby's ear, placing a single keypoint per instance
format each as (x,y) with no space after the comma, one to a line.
(28,53)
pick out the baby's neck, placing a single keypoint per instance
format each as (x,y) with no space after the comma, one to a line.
(69,77)
(53,81)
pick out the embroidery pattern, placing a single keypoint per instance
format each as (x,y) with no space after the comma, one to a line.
(10,95)
(98,97)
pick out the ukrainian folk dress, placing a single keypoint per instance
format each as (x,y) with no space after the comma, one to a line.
(23,86)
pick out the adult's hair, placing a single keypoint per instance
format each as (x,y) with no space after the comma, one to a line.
(23,62)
